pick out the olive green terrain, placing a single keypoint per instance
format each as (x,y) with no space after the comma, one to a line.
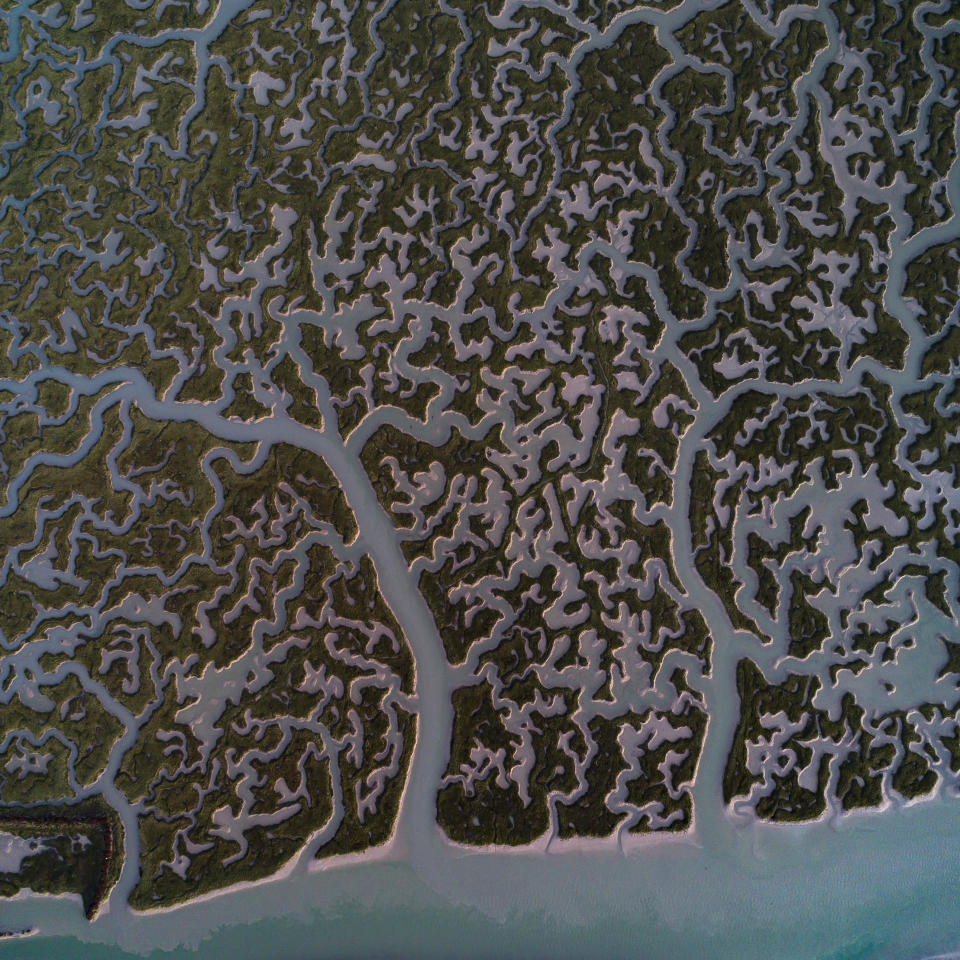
(625,314)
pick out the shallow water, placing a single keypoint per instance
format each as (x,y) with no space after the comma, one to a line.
(885,886)
(881,884)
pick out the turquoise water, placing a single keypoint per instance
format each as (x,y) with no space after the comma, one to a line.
(880,885)
(885,886)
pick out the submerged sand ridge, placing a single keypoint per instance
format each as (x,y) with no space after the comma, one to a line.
(429,435)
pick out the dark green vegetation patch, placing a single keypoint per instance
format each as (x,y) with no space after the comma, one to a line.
(604,354)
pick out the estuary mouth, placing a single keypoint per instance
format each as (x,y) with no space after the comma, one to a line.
(491,463)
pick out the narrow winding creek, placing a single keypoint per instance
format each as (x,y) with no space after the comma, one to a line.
(721,878)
